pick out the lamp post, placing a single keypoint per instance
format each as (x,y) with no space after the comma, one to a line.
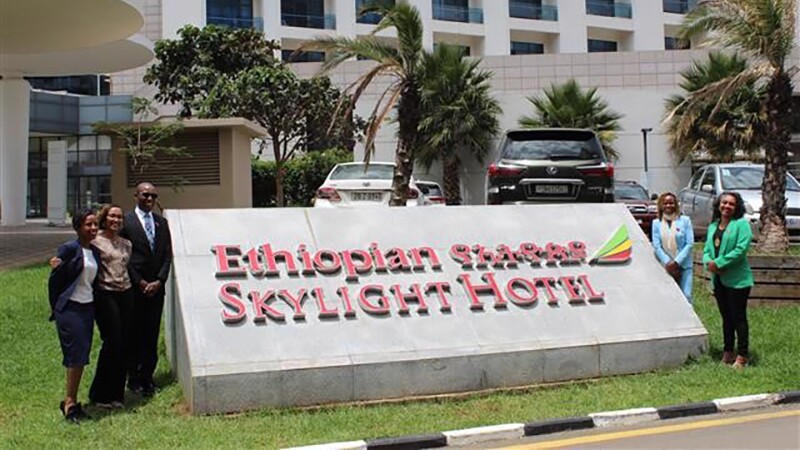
(646,171)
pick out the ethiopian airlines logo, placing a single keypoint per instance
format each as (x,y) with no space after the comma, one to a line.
(617,250)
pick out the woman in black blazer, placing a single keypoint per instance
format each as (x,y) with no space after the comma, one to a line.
(71,295)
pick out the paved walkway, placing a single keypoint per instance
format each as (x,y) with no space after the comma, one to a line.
(30,244)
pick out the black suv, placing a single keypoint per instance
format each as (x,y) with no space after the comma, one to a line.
(550,165)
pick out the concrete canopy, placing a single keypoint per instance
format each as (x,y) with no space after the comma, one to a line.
(114,56)
(44,26)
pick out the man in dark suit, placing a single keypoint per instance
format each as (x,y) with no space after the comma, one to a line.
(151,258)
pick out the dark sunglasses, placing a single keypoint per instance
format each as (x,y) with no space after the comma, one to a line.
(149,195)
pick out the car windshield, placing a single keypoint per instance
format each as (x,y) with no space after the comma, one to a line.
(552,145)
(431,190)
(357,172)
(629,192)
(749,178)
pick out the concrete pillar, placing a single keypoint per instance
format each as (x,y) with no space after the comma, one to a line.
(176,14)
(648,28)
(572,27)
(497,40)
(15,96)
(425,8)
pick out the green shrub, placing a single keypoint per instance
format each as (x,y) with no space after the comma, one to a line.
(302,176)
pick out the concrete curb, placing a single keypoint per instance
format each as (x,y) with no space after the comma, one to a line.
(595,420)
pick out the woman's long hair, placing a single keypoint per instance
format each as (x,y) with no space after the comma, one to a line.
(738,212)
(660,204)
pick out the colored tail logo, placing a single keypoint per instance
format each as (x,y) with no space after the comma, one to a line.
(616,250)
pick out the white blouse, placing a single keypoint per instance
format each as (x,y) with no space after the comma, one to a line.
(83,291)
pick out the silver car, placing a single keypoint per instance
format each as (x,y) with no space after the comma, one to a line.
(709,181)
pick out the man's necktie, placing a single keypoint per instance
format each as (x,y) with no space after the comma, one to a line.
(150,231)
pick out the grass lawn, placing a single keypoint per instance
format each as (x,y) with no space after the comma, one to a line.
(31,385)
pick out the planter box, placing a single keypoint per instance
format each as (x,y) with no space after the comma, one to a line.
(777,278)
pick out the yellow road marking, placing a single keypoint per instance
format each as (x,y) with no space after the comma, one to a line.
(652,431)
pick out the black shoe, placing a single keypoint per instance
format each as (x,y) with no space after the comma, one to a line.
(148,390)
(76,414)
(135,387)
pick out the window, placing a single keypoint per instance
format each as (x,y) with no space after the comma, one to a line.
(709,178)
(695,183)
(373,17)
(466,50)
(597,45)
(232,13)
(526,48)
(303,13)
(79,84)
(673,43)
(292,57)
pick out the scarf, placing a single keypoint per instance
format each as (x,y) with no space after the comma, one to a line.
(668,233)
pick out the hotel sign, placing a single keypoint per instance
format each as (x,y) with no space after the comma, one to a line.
(307,306)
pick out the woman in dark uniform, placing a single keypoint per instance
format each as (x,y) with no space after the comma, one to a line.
(71,294)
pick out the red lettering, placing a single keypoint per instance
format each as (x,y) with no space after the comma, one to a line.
(382,308)
(254,261)
(505,257)
(305,260)
(228,263)
(377,257)
(531,294)
(271,260)
(549,284)
(344,294)
(555,253)
(484,257)
(261,306)
(397,259)
(530,252)
(573,295)
(577,251)
(473,290)
(461,254)
(415,295)
(433,258)
(327,255)
(593,296)
(295,302)
(441,288)
(229,295)
(324,312)
(352,269)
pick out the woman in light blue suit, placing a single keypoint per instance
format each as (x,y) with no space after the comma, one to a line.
(673,237)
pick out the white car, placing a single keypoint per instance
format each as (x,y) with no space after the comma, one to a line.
(432,192)
(362,185)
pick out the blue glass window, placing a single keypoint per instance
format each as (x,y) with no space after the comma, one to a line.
(598,45)
(526,48)
(232,13)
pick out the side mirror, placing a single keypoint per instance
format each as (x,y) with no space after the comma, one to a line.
(653,197)
(707,188)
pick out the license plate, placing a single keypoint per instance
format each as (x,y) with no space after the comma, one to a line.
(793,222)
(551,189)
(367,196)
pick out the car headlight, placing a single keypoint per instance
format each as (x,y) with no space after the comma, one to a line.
(652,209)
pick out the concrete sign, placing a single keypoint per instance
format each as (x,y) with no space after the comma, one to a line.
(286,307)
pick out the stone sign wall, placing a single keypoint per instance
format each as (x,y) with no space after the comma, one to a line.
(286,307)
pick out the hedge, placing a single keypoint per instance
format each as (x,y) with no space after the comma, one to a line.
(302,176)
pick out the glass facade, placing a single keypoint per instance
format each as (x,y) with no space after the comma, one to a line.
(609,8)
(456,11)
(306,14)
(88,172)
(291,56)
(526,48)
(673,43)
(532,9)
(373,17)
(231,13)
(678,6)
(77,84)
(598,45)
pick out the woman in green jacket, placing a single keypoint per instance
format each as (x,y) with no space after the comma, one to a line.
(725,256)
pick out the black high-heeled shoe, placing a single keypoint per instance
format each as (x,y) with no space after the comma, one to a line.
(76,414)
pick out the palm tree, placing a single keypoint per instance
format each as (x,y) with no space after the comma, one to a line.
(568,106)
(737,125)
(765,31)
(459,115)
(403,63)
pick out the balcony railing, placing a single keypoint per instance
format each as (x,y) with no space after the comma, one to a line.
(522,10)
(327,22)
(237,22)
(373,17)
(679,6)
(609,9)
(455,14)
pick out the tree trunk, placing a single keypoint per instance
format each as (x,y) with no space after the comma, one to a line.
(451,177)
(408,112)
(279,198)
(773,237)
